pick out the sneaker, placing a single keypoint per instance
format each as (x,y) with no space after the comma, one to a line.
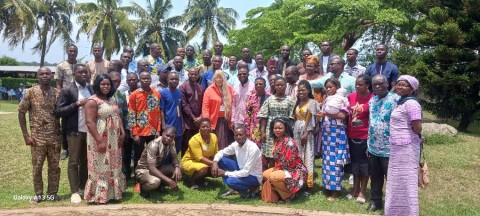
(75,198)
(228,193)
(63,155)
(350,180)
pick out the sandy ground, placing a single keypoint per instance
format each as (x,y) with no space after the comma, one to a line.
(166,209)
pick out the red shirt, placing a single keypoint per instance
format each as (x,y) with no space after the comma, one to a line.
(358,121)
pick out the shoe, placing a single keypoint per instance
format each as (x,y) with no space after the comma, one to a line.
(75,198)
(373,207)
(136,189)
(144,193)
(36,199)
(350,196)
(63,155)
(81,192)
(228,193)
(54,197)
(361,200)
(194,187)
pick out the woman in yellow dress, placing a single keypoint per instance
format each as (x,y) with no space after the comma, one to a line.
(198,159)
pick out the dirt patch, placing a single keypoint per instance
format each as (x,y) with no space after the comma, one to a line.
(167,209)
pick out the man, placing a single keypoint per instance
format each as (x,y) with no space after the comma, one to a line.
(260,70)
(292,75)
(64,76)
(179,52)
(126,59)
(45,139)
(98,65)
(240,93)
(218,47)
(337,65)
(170,107)
(271,67)
(132,82)
(144,117)
(384,67)
(352,67)
(70,106)
(158,164)
(178,67)
(132,65)
(142,66)
(190,61)
(285,60)
(207,62)
(192,97)
(326,56)
(232,67)
(243,174)
(162,78)
(154,60)
(301,65)
(208,76)
(380,108)
(247,59)
(114,65)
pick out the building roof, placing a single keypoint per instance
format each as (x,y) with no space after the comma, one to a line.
(31,69)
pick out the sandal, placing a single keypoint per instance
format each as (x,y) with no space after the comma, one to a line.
(361,200)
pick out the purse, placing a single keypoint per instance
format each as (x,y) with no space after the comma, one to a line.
(269,195)
(423,173)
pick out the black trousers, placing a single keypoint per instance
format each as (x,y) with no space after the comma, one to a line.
(378,167)
(139,147)
(127,155)
(64,135)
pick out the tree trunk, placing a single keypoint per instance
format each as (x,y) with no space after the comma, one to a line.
(465,121)
(44,34)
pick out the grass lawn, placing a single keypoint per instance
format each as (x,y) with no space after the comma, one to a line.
(454,165)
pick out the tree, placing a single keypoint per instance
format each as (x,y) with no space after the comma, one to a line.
(205,17)
(17,21)
(449,69)
(7,61)
(155,27)
(106,23)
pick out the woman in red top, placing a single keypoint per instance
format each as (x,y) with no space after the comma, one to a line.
(357,133)
(217,106)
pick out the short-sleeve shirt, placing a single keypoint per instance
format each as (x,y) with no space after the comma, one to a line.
(44,126)
(346,81)
(144,112)
(387,69)
(171,105)
(156,152)
(154,64)
(401,123)
(96,68)
(355,71)
(379,124)
(65,73)
(357,127)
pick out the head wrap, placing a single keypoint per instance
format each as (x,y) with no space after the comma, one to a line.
(410,80)
(271,62)
(312,59)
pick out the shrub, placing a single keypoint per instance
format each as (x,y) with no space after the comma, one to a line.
(11,82)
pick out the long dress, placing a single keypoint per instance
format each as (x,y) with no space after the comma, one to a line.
(274,107)
(305,121)
(252,123)
(105,178)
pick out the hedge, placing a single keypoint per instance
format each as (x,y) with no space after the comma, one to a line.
(11,82)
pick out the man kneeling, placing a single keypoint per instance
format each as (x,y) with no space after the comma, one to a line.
(245,174)
(159,163)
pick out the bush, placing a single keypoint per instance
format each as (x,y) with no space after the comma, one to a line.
(438,139)
(11,82)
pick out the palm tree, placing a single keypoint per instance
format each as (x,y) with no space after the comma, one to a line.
(52,17)
(106,23)
(208,19)
(155,27)
(17,21)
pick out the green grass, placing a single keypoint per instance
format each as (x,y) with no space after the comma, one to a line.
(453,164)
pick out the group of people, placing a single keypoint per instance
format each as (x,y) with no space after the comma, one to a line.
(245,121)
(12,94)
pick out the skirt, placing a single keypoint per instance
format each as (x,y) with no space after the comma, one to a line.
(334,157)
(358,156)
(402,186)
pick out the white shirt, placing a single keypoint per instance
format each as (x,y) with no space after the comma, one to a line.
(255,73)
(325,63)
(82,93)
(249,159)
(355,71)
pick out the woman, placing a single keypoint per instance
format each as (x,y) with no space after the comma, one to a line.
(217,106)
(357,132)
(289,174)
(405,148)
(198,159)
(312,69)
(334,144)
(104,138)
(271,83)
(252,107)
(305,122)
(277,105)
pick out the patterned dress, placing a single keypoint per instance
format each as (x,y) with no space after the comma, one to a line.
(287,158)
(252,123)
(305,121)
(274,107)
(105,178)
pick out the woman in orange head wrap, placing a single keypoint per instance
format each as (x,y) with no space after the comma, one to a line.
(312,69)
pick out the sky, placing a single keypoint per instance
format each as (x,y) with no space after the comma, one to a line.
(56,53)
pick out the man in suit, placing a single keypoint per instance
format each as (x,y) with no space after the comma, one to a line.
(70,105)
(326,56)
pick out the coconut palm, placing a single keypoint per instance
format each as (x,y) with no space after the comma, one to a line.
(106,23)
(17,21)
(206,18)
(155,27)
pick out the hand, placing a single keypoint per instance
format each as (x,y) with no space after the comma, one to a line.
(177,175)
(136,139)
(220,173)
(29,141)
(102,147)
(82,102)
(304,139)
(121,139)
(172,184)
(197,120)
(321,114)
(215,169)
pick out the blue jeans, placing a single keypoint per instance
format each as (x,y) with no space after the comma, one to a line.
(242,185)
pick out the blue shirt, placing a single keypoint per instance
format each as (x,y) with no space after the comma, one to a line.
(387,69)
(346,81)
(207,78)
(379,124)
(170,104)
(132,67)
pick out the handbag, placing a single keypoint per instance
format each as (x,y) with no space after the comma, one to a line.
(269,195)
(423,173)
